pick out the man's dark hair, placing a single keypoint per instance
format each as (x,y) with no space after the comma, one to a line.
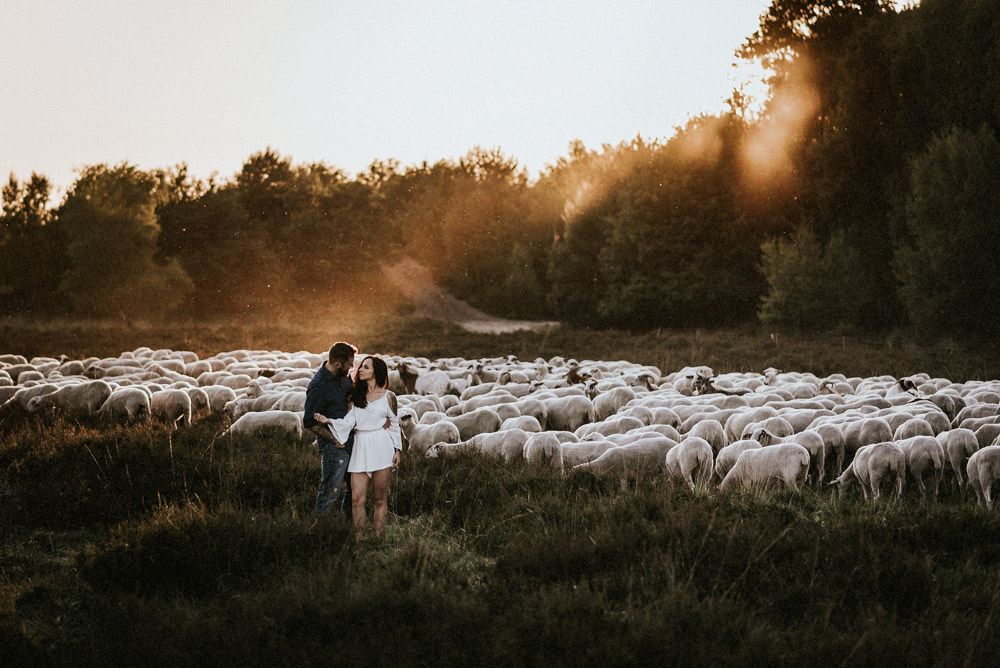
(341,352)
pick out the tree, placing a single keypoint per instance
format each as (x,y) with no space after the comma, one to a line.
(811,286)
(949,266)
(32,247)
(111,227)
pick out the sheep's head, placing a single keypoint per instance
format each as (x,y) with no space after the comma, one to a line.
(34,404)
(702,385)
(762,436)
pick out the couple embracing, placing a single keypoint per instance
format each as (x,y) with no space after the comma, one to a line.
(357,433)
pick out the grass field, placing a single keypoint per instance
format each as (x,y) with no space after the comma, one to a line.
(138,546)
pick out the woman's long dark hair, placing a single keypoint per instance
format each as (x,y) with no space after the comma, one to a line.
(359,395)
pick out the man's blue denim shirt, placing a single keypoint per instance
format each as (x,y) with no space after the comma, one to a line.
(327,395)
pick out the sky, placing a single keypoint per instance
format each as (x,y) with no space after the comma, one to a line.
(210,82)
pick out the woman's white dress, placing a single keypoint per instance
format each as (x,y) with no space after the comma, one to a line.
(374,445)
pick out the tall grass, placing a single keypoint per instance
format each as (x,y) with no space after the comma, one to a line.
(135,545)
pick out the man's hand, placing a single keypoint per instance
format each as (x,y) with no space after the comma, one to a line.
(388,423)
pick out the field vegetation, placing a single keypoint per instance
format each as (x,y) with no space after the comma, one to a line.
(135,545)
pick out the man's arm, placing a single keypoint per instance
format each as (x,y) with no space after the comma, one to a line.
(309,422)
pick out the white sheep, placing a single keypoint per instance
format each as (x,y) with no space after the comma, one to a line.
(618,424)
(871,465)
(983,470)
(726,458)
(575,453)
(128,404)
(546,448)
(808,439)
(252,423)
(607,403)
(786,463)
(958,444)
(74,399)
(171,406)
(199,399)
(924,455)
(479,421)
(525,422)
(690,462)
(629,461)
(506,445)
(568,413)
(421,437)
(736,422)
(434,381)
(218,397)
(712,431)
(777,425)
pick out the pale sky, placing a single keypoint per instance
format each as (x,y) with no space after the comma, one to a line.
(209,82)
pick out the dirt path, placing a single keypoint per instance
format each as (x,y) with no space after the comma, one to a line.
(414,281)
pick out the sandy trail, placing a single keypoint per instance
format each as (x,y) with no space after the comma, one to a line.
(414,281)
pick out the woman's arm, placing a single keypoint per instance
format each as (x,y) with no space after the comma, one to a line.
(340,427)
(397,441)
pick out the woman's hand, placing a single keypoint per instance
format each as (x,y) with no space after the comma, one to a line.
(395,459)
(319,417)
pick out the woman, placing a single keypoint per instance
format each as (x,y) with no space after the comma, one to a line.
(376,449)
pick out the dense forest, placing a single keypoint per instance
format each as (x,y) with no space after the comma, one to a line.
(861,195)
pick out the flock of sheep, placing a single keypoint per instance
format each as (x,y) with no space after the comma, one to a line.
(692,426)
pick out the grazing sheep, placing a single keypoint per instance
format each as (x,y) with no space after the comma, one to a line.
(958,444)
(786,463)
(421,437)
(607,403)
(575,453)
(833,440)
(871,465)
(629,461)
(808,439)
(479,421)
(712,431)
(199,400)
(171,406)
(915,426)
(568,413)
(924,455)
(777,425)
(218,397)
(613,425)
(506,445)
(127,404)
(690,462)
(727,456)
(983,470)
(433,382)
(546,448)
(75,399)
(737,422)
(252,423)
(525,422)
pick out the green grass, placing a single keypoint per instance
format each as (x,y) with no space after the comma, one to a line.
(134,545)
(211,555)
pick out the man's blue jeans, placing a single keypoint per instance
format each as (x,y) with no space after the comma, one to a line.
(333,467)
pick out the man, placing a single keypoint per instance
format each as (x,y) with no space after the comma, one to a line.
(328,394)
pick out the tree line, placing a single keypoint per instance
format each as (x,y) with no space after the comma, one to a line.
(860,196)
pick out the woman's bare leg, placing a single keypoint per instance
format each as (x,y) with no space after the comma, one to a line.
(359,496)
(380,480)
